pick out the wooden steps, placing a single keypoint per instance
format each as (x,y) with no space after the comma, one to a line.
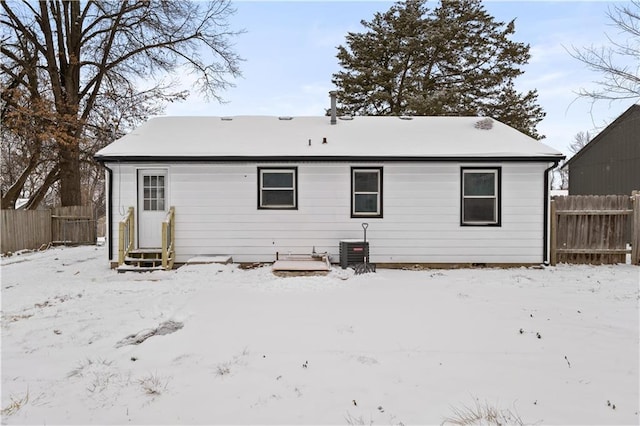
(131,268)
(142,260)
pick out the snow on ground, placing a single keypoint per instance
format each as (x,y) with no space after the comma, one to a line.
(556,345)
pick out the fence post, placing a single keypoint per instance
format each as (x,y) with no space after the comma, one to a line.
(553,238)
(50,226)
(635,228)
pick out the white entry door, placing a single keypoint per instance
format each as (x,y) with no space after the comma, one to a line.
(152,206)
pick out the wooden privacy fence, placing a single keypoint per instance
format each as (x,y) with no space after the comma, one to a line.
(30,229)
(595,229)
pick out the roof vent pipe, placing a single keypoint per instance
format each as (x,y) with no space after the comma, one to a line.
(333,95)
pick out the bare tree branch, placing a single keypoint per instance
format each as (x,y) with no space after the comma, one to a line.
(619,63)
(84,61)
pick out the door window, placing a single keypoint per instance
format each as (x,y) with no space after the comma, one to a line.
(153,193)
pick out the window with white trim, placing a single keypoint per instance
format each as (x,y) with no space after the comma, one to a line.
(277,188)
(366,192)
(480,196)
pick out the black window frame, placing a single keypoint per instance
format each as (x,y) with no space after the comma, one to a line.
(290,170)
(379,213)
(498,195)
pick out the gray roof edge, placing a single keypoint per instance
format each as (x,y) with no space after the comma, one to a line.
(327,158)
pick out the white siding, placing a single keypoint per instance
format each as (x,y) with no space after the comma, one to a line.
(124,195)
(216,213)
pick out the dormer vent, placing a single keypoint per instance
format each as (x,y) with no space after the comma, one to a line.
(226,118)
(484,124)
(405,117)
(346,117)
(285,118)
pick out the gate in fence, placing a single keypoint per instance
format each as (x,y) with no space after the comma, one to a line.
(73,225)
(595,229)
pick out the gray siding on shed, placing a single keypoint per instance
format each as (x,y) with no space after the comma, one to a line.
(610,163)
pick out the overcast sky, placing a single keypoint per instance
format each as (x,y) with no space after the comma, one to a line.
(290,55)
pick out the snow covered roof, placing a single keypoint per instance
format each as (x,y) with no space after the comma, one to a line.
(287,138)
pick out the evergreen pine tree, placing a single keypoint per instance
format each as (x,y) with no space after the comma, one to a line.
(455,59)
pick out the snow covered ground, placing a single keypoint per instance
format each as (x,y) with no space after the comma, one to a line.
(557,345)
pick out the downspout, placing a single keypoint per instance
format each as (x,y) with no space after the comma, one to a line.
(109,205)
(109,201)
(545,228)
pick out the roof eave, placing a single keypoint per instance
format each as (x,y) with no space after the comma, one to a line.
(325,158)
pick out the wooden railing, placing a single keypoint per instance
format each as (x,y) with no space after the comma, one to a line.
(168,239)
(126,236)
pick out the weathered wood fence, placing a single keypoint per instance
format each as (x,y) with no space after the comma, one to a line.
(31,229)
(595,229)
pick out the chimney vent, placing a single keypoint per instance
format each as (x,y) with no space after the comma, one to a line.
(333,95)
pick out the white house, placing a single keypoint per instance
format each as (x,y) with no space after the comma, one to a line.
(434,190)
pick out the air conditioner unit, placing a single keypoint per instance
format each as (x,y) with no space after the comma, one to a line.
(353,252)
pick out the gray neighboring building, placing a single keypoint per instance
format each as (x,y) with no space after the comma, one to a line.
(610,163)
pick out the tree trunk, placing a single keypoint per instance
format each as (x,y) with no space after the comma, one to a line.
(70,194)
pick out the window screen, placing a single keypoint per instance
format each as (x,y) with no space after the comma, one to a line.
(277,189)
(480,197)
(366,192)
